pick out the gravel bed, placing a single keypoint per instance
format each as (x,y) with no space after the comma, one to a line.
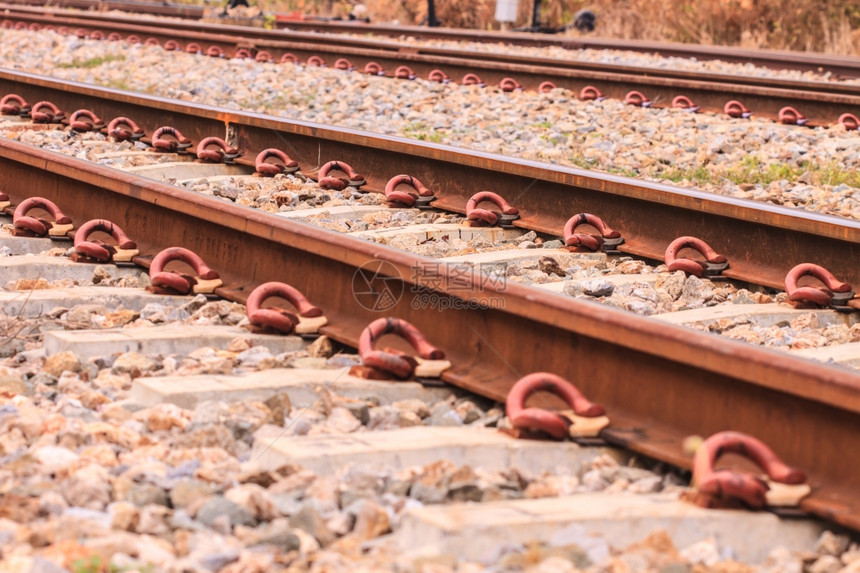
(90,146)
(805,331)
(282,193)
(808,168)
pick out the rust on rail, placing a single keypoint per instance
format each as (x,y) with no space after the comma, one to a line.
(660,382)
(762,241)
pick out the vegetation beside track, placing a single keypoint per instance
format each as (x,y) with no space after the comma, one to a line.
(806,25)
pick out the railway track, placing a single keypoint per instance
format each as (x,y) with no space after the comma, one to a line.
(651,393)
(811,103)
(840,66)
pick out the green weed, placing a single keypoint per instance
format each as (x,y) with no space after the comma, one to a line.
(92,62)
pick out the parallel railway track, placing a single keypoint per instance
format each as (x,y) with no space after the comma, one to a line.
(661,383)
(838,65)
(820,102)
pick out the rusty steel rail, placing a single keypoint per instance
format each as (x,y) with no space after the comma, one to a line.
(762,241)
(841,66)
(822,103)
(659,382)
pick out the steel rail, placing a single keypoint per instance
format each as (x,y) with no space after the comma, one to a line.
(659,382)
(762,241)
(841,66)
(822,103)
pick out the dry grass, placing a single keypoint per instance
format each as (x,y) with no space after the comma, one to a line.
(831,26)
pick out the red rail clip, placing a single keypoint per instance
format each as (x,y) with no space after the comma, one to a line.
(281,319)
(591,93)
(556,424)
(215,52)
(485,216)
(546,87)
(736,109)
(423,196)
(343,64)
(726,487)
(404,73)
(287,165)
(382,363)
(850,121)
(263,56)
(46,112)
(608,238)
(790,116)
(100,251)
(26,226)
(683,102)
(13,104)
(327,181)
(172,46)
(835,294)
(637,99)
(85,120)
(205,282)
(221,151)
(438,76)
(124,129)
(473,80)
(714,265)
(241,54)
(374,69)
(509,85)
(289,58)
(177,144)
